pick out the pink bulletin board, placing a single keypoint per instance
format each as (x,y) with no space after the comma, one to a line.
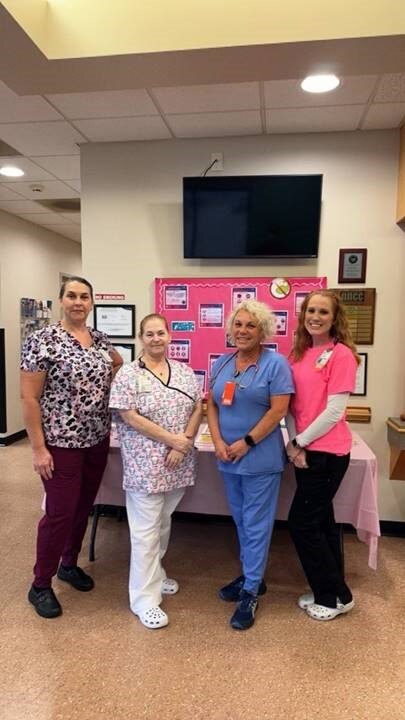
(196,310)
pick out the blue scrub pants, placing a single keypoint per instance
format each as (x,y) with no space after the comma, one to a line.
(253,503)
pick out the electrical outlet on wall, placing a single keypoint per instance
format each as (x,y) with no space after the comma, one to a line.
(218,166)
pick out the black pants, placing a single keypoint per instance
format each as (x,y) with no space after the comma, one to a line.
(313,528)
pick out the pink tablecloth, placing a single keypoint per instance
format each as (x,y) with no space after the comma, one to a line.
(355,503)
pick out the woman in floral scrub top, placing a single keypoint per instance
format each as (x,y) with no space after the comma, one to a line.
(65,384)
(159,412)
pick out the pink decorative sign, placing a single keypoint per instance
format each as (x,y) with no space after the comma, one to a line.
(196,310)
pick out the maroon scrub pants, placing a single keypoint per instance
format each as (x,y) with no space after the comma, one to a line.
(70,495)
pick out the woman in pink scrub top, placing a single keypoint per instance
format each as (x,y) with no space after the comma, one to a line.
(323,363)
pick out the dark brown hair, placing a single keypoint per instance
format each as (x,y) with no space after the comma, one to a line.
(75,278)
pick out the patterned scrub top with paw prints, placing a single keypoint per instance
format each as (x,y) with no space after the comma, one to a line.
(74,401)
(168,405)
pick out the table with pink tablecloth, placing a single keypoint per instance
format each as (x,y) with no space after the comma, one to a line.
(355,502)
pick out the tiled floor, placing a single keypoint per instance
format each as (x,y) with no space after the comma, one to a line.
(97,661)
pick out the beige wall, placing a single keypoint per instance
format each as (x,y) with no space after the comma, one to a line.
(31,259)
(132,232)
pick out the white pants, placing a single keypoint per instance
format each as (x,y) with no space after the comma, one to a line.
(149,518)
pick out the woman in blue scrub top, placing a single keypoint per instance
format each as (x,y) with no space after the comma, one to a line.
(250,391)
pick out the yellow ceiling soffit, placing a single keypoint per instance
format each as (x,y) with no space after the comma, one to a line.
(89,28)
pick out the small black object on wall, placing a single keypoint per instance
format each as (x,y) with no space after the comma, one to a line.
(3,407)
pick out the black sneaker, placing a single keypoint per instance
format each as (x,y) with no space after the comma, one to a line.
(76,577)
(45,602)
(244,615)
(231,592)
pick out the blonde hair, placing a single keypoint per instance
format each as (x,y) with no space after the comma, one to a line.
(261,312)
(340,329)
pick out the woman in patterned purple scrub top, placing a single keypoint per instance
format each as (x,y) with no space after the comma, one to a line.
(66,376)
(158,412)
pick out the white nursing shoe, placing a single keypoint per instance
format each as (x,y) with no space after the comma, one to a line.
(322,612)
(170,586)
(154,618)
(306,600)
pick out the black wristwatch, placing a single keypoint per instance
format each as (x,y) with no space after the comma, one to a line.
(295,444)
(249,441)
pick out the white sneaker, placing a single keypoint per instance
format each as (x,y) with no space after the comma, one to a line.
(153,618)
(170,586)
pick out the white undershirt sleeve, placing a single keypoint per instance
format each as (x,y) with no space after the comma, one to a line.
(290,425)
(333,412)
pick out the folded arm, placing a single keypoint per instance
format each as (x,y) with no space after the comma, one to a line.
(177,441)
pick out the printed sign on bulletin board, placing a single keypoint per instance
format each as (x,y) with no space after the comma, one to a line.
(197,308)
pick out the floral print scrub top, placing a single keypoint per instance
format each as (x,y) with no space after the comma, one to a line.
(169,406)
(74,402)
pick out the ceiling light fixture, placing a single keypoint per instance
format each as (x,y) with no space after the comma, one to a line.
(320,83)
(11,171)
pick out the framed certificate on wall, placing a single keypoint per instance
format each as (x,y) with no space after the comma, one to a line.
(352,265)
(126,350)
(361,377)
(116,321)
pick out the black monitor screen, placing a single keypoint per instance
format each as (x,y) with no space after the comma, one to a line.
(252,216)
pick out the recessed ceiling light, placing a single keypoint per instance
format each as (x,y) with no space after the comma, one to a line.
(320,83)
(11,171)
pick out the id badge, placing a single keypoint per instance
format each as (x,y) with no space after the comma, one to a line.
(323,359)
(144,384)
(228,393)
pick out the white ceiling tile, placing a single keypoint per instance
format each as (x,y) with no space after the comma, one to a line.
(208,98)
(75,184)
(65,167)
(16,108)
(31,170)
(123,129)
(50,190)
(73,217)
(382,116)
(46,218)
(325,119)
(21,207)
(42,138)
(391,88)
(288,93)
(70,231)
(246,122)
(114,103)
(7,193)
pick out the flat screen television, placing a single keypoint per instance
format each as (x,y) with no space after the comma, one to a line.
(252,216)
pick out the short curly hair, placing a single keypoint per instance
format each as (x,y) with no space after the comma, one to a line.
(261,312)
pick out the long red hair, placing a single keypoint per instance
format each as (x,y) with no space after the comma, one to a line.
(339,331)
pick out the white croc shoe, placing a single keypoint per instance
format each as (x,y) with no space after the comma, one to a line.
(154,618)
(322,612)
(170,586)
(306,600)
